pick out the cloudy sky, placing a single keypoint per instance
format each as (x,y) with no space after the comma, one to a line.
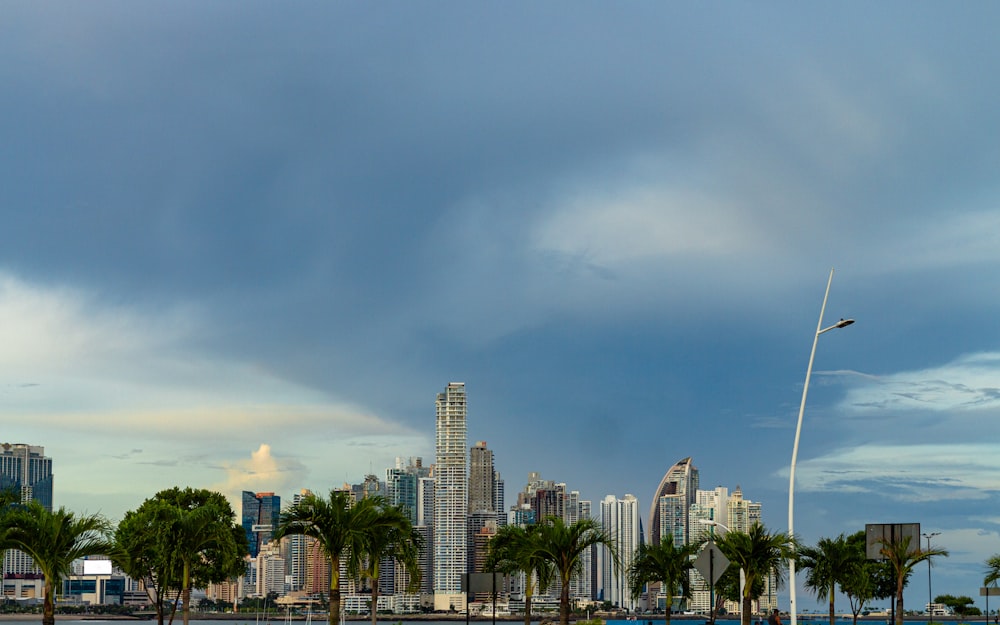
(243,246)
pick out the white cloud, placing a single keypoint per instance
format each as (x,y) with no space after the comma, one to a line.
(646,223)
(906,472)
(95,384)
(969,383)
(262,472)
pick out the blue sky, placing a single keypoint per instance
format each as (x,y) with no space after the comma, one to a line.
(244,245)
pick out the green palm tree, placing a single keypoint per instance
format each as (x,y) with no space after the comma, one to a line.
(54,540)
(902,559)
(992,570)
(564,545)
(339,529)
(665,563)
(759,554)
(513,550)
(827,565)
(196,532)
(389,534)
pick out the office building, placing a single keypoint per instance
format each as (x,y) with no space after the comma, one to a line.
(26,470)
(260,515)
(451,498)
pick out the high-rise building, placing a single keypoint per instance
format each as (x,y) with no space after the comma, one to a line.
(710,508)
(451,498)
(742,513)
(481,479)
(545,497)
(620,519)
(498,497)
(402,484)
(260,515)
(26,470)
(668,514)
(295,552)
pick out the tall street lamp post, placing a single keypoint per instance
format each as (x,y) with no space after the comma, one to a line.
(795,448)
(930,595)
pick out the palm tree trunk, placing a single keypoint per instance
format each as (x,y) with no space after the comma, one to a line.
(745,610)
(374,608)
(186,581)
(832,617)
(899,600)
(527,599)
(48,604)
(333,618)
(564,602)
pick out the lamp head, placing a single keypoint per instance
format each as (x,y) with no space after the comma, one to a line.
(843,323)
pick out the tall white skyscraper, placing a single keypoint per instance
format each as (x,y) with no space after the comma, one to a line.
(620,519)
(451,498)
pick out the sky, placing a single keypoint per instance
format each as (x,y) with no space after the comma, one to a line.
(244,245)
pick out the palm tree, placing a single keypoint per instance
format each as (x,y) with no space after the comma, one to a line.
(902,559)
(992,570)
(514,549)
(564,545)
(759,554)
(54,540)
(827,565)
(197,530)
(389,534)
(665,563)
(338,528)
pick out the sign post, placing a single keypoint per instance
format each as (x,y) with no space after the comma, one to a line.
(711,563)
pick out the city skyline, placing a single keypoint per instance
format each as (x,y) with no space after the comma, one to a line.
(242,247)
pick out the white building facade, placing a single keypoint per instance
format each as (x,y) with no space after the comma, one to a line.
(451,498)
(620,520)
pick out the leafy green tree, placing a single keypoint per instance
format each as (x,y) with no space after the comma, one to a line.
(759,554)
(180,539)
(54,539)
(902,559)
(388,534)
(665,563)
(564,545)
(514,549)
(962,605)
(337,526)
(826,566)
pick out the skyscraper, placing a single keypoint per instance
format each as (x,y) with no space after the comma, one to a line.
(296,553)
(668,513)
(26,470)
(402,485)
(620,519)
(481,479)
(451,499)
(260,515)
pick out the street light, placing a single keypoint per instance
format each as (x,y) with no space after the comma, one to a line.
(930,595)
(843,323)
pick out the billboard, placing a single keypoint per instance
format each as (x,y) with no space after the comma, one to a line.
(879,534)
(97,567)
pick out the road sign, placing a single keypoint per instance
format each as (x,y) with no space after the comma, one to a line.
(711,563)
(984,591)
